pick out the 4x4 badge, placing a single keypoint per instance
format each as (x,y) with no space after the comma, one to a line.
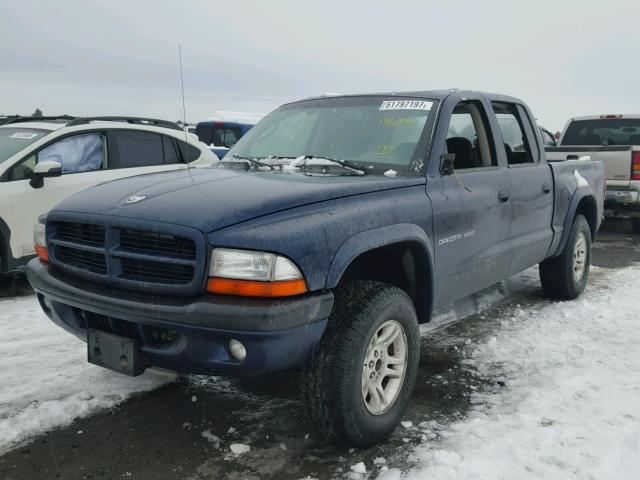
(136,198)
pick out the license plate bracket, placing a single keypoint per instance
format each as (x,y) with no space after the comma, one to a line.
(114,352)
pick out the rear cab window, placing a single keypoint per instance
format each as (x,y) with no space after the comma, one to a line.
(603,131)
(218,134)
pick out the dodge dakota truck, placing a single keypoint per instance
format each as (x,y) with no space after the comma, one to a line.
(328,233)
(614,140)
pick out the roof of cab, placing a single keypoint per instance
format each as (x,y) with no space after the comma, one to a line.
(426,94)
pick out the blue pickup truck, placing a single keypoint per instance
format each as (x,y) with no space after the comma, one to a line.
(328,233)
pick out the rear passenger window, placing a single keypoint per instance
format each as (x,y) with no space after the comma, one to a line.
(188,152)
(137,149)
(517,148)
(170,153)
(467,137)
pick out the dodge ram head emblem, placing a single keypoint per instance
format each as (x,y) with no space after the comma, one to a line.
(136,198)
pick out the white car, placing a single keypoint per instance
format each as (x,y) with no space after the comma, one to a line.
(44,160)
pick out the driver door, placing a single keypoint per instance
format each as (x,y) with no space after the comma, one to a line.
(471,208)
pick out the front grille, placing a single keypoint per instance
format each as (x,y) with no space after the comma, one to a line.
(159,243)
(154,271)
(85,233)
(137,259)
(90,261)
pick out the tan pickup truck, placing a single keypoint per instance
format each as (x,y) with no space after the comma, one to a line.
(615,140)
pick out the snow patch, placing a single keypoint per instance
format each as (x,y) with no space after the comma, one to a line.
(358,468)
(391,474)
(46,380)
(569,404)
(211,438)
(239,448)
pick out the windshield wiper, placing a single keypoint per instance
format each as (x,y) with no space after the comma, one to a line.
(343,163)
(253,160)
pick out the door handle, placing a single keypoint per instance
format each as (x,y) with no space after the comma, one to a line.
(546,188)
(572,157)
(503,195)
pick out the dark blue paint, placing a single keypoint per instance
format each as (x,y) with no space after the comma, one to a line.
(469,236)
(204,350)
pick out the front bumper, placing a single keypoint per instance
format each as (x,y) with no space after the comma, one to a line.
(188,334)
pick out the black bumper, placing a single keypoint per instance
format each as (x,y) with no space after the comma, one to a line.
(277,334)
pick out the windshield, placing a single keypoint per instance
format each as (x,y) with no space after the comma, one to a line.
(12,140)
(606,131)
(372,133)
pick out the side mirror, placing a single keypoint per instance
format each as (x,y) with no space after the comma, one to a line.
(447,163)
(44,170)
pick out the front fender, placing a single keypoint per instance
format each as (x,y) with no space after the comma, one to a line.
(375,238)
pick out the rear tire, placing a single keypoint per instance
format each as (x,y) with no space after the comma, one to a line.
(565,277)
(371,345)
(635,225)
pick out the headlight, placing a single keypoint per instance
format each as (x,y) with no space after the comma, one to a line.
(255,274)
(40,238)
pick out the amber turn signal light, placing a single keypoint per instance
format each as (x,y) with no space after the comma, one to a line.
(252,288)
(42,253)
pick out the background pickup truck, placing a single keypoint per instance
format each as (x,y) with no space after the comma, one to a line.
(614,140)
(322,240)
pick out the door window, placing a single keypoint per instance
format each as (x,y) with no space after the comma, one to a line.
(77,153)
(467,137)
(136,149)
(516,146)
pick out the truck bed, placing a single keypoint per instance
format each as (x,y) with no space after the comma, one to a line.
(616,160)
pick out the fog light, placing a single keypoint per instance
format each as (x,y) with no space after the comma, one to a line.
(237,350)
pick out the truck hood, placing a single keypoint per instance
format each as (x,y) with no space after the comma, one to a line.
(213,198)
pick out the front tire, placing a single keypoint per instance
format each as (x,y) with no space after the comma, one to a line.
(358,385)
(565,277)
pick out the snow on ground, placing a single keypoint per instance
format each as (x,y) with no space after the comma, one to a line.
(570,407)
(45,380)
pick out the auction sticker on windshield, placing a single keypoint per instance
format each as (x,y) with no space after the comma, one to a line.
(406,105)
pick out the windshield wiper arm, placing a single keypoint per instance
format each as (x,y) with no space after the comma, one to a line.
(343,163)
(253,160)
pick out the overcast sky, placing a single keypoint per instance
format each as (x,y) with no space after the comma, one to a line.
(564,58)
